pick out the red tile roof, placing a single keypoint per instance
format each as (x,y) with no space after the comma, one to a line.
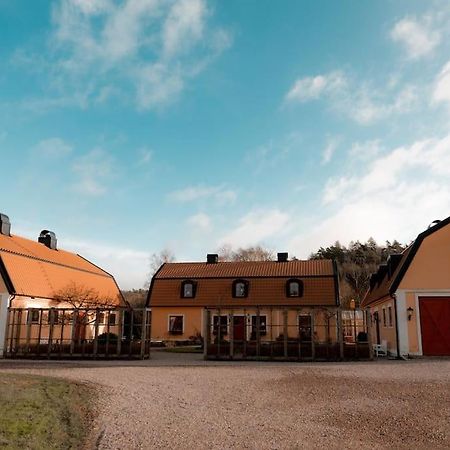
(34,270)
(246,269)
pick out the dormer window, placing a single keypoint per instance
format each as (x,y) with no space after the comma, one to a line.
(188,288)
(240,288)
(294,288)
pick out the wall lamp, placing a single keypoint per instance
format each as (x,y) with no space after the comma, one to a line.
(410,312)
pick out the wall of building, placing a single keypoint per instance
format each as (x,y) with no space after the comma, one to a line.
(193,322)
(387,332)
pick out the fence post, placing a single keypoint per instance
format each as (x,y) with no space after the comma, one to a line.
(231,327)
(50,332)
(72,334)
(285,331)
(258,332)
(97,320)
(313,337)
(206,331)
(28,336)
(369,333)
(340,333)
(119,331)
(143,332)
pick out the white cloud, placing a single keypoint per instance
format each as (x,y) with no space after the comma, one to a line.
(52,148)
(360,101)
(200,221)
(194,193)
(93,170)
(396,197)
(311,88)
(441,90)
(102,48)
(145,155)
(330,148)
(365,150)
(129,266)
(418,36)
(256,227)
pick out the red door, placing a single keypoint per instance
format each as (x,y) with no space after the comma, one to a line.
(238,328)
(435,325)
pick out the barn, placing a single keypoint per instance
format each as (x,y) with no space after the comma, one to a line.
(409,297)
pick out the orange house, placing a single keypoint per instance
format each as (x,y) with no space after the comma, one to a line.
(409,297)
(36,274)
(268,299)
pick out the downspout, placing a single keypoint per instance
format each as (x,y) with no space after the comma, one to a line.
(397,338)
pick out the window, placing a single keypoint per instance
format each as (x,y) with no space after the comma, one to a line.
(112,318)
(188,289)
(220,323)
(101,318)
(390,316)
(240,288)
(294,288)
(304,327)
(176,324)
(33,316)
(53,316)
(262,326)
(384,317)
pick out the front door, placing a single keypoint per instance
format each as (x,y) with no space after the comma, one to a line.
(239,328)
(377,325)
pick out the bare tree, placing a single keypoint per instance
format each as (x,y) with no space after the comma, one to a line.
(252,253)
(156,261)
(79,296)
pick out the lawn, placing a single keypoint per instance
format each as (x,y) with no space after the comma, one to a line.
(39,412)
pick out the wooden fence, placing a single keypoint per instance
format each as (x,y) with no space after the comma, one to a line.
(285,334)
(83,333)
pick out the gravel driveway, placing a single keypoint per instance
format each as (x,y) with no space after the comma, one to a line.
(178,401)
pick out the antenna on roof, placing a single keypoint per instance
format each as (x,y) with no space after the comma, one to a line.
(432,224)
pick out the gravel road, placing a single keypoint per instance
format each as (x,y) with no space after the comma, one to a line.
(180,402)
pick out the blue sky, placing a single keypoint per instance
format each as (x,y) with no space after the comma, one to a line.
(136,125)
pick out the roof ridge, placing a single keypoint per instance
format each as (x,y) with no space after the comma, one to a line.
(43,260)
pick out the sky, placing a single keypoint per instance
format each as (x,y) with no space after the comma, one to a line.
(131,126)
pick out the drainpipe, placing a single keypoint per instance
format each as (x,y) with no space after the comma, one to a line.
(397,339)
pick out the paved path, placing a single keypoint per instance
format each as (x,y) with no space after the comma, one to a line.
(180,401)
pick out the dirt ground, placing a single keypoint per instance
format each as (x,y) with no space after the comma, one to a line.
(178,401)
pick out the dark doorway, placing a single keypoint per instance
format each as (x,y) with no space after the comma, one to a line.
(377,326)
(239,328)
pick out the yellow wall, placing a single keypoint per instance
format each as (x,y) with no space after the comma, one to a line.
(193,322)
(387,333)
(430,268)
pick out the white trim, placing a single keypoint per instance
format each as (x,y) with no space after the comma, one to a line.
(4,304)
(402,321)
(423,293)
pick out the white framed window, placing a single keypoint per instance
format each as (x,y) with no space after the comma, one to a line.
(176,324)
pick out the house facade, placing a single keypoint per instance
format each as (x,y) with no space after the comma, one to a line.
(246,301)
(37,278)
(409,297)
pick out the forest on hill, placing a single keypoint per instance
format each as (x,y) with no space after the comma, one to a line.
(356,262)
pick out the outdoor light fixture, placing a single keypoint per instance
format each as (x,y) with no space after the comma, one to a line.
(410,312)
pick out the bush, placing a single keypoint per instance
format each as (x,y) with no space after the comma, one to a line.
(102,338)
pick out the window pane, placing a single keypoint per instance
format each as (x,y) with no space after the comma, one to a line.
(294,289)
(176,324)
(112,318)
(223,320)
(240,289)
(188,290)
(262,326)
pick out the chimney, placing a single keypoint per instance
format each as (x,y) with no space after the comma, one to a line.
(48,238)
(5,225)
(283,257)
(212,258)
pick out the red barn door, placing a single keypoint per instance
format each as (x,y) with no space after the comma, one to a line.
(435,325)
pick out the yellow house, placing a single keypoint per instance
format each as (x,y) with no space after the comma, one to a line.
(38,279)
(409,297)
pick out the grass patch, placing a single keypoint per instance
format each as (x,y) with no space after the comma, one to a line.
(184,349)
(39,412)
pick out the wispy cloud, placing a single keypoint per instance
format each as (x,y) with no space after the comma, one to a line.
(360,101)
(144,157)
(200,221)
(441,89)
(365,150)
(330,148)
(377,201)
(94,170)
(256,227)
(101,48)
(418,36)
(52,148)
(194,193)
